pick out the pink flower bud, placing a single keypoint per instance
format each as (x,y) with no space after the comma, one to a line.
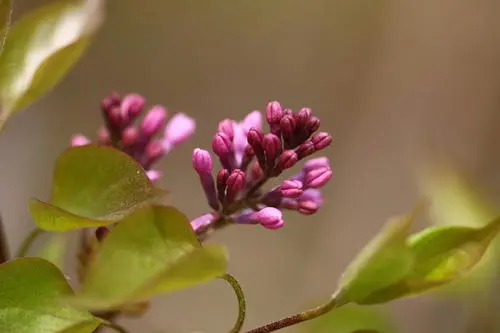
(235,183)
(153,120)
(153,175)
(270,218)
(321,140)
(274,112)
(227,127)
(272,149)
(316,163)
(317,178)
(179,128)
(132,105)
(202,161)
(286,160)
(305,149)
(291,188)
(79,140)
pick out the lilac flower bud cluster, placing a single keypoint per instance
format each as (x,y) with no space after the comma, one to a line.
(147,139)
(249,158)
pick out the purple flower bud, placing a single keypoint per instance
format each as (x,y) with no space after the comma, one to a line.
(101,233)
(153,175)
(235,183)
(272,149)
(287,127)
(313,125)
(130,136)
(270,218)
(202,161)
(316,178)
(255,140)
(132,105)
(272,198)
(291,188)
(114,118)
(227,127)
(103,137)
(153,120)
(274,113)
(307,207)
(154,151)
(312,195)
(222,177)
(302,117)
(321,140)
(79,140)
(179,128)
(287,112)
(305,149)
(286,160)
(204,220)
(222,146)
(252,120)
(315,163)
(113,100)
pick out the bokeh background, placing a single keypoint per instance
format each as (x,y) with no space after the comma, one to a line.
(395,81)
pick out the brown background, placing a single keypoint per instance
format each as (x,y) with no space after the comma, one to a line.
(392,80)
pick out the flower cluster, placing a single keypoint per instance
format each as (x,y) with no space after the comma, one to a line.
(249,158)
(138,138)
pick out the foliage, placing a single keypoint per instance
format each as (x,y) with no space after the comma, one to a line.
(133,246)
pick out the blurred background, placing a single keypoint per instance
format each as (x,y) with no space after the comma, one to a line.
(396,82)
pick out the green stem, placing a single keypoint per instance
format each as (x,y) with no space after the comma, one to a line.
(115,327)
(241,302)
(334,303)
(28,241)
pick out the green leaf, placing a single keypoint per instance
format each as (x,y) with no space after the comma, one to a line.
(152,251)
(350,319)
(442,255)
(94,186)
(31,299)
(41,48)
(5,16)
(456,200)
(384,261)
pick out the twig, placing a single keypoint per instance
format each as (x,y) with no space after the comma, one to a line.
(335,302)
(28,241)
(241,302)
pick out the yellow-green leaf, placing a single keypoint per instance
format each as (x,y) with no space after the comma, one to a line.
(151,251)
(442,255)
(384,261)
(55,249)
(94,186)
(5,16)
(32,299)
(40,49)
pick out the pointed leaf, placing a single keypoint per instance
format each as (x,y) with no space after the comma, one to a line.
(31,299)
(94,186)
(442,255)
(40,49)
(5,16)
(384,261)
(154,250)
